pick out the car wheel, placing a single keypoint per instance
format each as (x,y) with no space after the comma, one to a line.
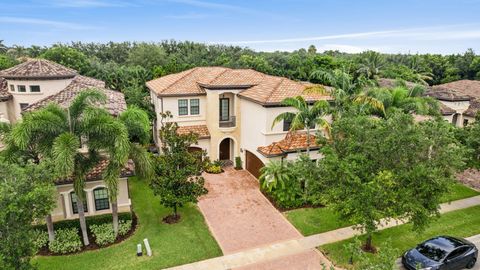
(471,264)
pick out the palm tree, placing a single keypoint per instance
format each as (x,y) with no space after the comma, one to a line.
(3,47)
(371,63)
(61,133)
(305,117)
(274,173)
(400,98)
(345,89)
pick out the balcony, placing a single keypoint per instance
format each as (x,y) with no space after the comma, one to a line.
(230,122)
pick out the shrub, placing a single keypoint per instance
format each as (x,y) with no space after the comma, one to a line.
(40,239)
(215,169)
(66,241)
(91,220)
(238,163)
(124,227)
(103,234)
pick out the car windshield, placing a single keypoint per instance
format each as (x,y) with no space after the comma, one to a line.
(432,251)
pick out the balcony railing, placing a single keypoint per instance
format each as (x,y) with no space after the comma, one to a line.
(231,122)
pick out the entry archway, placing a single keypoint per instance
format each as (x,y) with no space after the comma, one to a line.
(225,149)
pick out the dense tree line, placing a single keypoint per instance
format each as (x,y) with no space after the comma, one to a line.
(126,66)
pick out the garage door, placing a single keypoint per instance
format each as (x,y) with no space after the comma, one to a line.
(253,164)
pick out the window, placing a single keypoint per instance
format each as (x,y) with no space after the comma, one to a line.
(286,125)
(195,106)
(457,252)
(12,87)
(23,106)
(35,88)
(73,198)
(224,109)
(101,199)
(465,122)
(182,106)
(21,88)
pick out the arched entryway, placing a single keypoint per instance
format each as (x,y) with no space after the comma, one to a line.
(225,149)
(253,164)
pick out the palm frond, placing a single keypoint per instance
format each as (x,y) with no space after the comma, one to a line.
(138,124)
(65,149)
(286,116)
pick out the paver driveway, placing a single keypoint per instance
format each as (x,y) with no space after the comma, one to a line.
(241,218)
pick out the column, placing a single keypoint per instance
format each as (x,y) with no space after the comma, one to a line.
(460,120)
(67,203)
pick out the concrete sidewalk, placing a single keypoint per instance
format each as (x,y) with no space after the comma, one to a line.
(295,246)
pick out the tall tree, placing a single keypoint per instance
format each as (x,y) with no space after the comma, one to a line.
(178,171)
(62,133)
(305,117)
(393,168)
(25,196)
(371,63)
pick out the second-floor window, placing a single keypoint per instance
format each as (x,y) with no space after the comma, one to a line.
(195,106)
(286,125)
(12,87)
(21,88)
(183,107)
(35,88)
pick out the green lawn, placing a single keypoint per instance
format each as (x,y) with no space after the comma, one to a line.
(317,220)
(185,242)
(460,223)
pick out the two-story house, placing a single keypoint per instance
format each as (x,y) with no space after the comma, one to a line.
(34,84)
(232,111)
(460,100)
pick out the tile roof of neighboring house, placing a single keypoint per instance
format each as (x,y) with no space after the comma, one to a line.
(115,103)
(4,94)
(462,90)
(293,142)
(200,130)
(38,69)
(255,86)
(445,110)
(96,173)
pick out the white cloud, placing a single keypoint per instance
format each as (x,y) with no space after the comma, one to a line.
(55,24)
(452,32)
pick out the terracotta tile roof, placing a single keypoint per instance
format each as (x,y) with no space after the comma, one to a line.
(293,142)
(115,100)
(255,86)
(473,108)
(462,90)
(38,69)
(445,110)
(96,173)
(4,93)
(200,130)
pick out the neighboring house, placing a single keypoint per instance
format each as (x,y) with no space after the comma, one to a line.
(34,84)
(232,111)
(460,100)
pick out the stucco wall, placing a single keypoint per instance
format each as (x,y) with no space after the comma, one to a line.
(62,211)
(47,88)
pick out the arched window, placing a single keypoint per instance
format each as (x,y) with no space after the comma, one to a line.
(73,198)
(101,199)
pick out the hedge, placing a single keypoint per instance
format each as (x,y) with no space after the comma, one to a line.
(90,220)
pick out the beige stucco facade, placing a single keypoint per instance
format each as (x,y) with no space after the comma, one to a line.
(12,108)
(64,209)
(252,128)
(458,118)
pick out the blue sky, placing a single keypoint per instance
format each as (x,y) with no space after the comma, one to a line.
(435,26)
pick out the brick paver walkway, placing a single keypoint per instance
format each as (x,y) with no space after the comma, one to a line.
(280,254)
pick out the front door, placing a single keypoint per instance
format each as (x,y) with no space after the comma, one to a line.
(225,149)
(224,109)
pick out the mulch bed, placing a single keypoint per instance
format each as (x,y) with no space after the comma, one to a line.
(171,219)
(470,177)
(93,246)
